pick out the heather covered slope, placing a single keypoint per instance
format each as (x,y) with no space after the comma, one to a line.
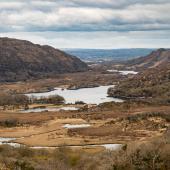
(152,84)
(20,60)
(157,58)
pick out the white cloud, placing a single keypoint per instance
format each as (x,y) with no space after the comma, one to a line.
(60,15)
(122,16)
(11,5)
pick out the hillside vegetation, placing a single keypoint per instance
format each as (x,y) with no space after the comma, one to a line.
(157,58)
(154,155)
(20,60)
(152,84)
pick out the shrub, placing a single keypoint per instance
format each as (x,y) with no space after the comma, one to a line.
(54,99)
(79,102)
(9,123)
(13,99)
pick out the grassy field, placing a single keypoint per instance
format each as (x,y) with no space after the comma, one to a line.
(109,123)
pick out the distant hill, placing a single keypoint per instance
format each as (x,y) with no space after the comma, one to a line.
(155,59)
(96,55)
(21,60)
(152,84)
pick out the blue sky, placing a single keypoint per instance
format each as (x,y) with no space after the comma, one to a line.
(88,24)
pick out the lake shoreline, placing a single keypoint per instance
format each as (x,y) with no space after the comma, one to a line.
(93,95)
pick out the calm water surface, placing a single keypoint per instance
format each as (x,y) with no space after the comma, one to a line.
(94,95)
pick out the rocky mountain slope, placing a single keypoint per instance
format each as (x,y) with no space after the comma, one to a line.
(155,59)
(21,60)
(152,84)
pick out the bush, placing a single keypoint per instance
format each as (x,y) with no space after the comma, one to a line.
(54,99)
(79,102)
(9,123)
(146,156)
(13,99)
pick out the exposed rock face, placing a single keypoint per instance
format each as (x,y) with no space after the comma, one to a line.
(155,59)
(20,60)
(152,83)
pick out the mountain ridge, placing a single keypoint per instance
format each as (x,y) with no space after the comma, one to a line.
(21,60)
(151,84)
(154,59)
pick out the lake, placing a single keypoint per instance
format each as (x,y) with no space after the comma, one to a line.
(49,109)
(95,95)
(68,126)
(123,72)
(7,141)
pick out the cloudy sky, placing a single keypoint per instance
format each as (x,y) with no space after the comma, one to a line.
(88,23)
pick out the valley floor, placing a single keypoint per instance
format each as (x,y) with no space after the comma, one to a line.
(113,125)
(133,124)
